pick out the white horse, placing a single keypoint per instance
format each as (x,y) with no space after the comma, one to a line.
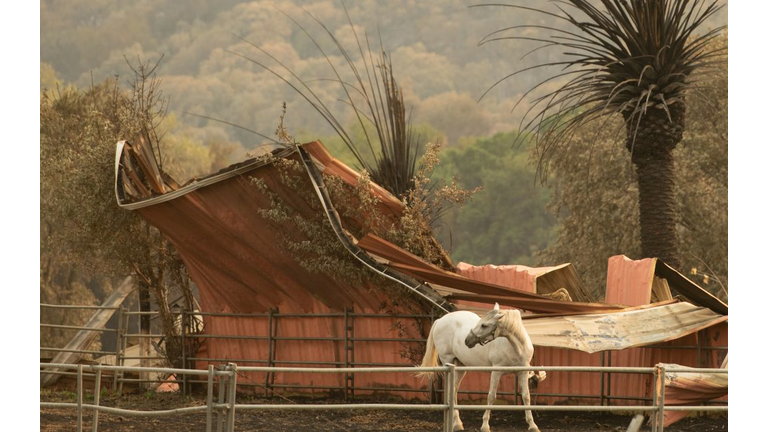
(498,339)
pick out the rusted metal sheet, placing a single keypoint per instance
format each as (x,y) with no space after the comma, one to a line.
(694,349)
(691,388)
(297,352)
(636,282)
(538,280)
(629,282)
(469,289)
(620,330)
(234,255)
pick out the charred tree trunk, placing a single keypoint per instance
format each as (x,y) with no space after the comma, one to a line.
(651,149)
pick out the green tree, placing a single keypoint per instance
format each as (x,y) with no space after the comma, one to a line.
(634,59)
(507,221)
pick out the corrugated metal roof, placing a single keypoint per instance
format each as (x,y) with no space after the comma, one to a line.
(620,330)
(631,282)
(539,280)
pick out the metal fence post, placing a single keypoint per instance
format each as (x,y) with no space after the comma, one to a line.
(184,388)
(118,343)
(661,398)
(656,387)
(209,400)
(602,379)
(123,347)
(96,397)
(608,390)
(346,352)
(222,388)
(232,367)
(433,381)
(79,398)
(349,352)
(450,395)
(270,352)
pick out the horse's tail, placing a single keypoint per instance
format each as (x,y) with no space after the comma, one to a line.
(430,356)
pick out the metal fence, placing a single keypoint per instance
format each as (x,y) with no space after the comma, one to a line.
(347,320)
(225,405)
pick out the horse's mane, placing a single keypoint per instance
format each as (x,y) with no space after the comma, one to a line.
(512,322)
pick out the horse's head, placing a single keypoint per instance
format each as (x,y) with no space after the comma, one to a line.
(485,329)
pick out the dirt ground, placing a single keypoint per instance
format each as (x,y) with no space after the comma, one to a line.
(346,420)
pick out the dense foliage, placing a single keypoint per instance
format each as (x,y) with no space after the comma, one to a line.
(507,221)
(87,241)
(433,47)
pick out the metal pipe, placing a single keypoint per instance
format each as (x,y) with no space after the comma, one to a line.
(78,307)
(232,367)
(69,327)
(209,401)
(79,398)
(335,407)
(222,360)
(144,335)
(118,343)
(345,325)
(76,351)
(663,374)
(362,370)
(359,254)
(655,417)
(184,389)
(215,336)
(270,358)
(450,396)
(602,379)
(123,348)
(96,397)
(233,315)
(351,352)
(222,388)
(230,371)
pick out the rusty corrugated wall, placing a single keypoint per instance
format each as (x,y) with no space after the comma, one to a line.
(235,260)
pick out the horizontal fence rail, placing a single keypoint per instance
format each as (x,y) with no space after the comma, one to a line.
(347,340)
(226,405)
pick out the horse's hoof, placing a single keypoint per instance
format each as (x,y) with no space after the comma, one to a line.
(533,429)
(485,429)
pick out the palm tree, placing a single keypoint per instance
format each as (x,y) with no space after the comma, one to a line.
(389,150)
(635,58)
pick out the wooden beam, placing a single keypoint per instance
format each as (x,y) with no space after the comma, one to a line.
(84,337)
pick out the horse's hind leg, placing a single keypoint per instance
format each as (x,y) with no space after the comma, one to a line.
(495,377)
(522,378)
(457,424)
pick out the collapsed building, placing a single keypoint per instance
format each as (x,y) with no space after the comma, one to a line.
(238,260)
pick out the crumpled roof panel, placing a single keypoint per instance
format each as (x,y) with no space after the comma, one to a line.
(632,327)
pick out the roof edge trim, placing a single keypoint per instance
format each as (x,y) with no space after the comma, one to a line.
(191,187)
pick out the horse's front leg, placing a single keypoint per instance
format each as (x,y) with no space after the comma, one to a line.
(457,424)
(495,377)
(522,378)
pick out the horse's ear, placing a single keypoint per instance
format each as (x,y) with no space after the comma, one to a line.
(496,306)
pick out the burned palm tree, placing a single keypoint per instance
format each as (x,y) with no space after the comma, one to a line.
(635,58)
